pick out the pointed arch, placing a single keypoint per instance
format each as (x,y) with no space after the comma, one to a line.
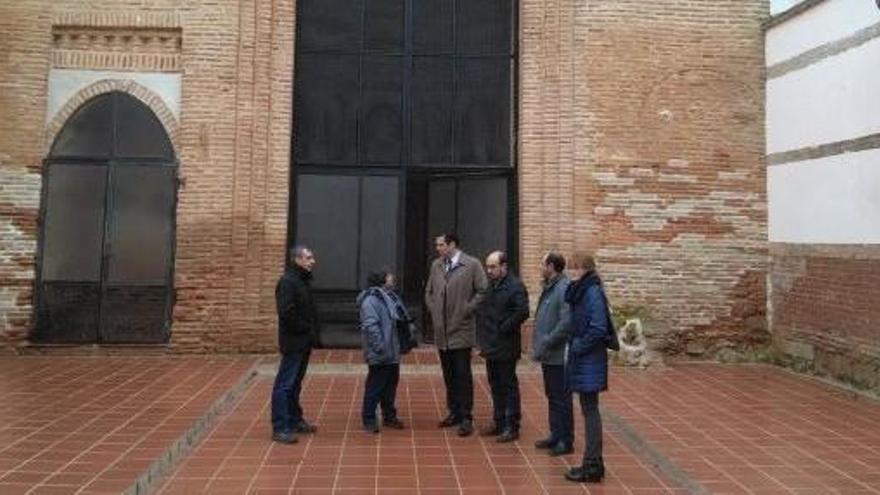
(153,101)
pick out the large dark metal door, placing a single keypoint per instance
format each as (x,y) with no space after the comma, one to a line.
(399,103)
(106,264)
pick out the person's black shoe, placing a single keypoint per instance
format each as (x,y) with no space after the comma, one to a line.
(595,470)
(491,431)
(545,443)
(449,421)
(393,423)
(592,472)
(371,427)
(576,474)
(284,437)
(508,435)
(305,427)
(465,428)
(561,448)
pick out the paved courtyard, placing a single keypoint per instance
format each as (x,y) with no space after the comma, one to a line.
(176,425)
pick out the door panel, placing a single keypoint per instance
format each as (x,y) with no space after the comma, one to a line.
(475,209)
(140,227)
(74,223)
(73,233)
(379,213)
(140,237)
(327,222)
(482,215)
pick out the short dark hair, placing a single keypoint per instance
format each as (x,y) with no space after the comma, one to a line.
(298,250)
(376,279)
(449,238)
(555,259)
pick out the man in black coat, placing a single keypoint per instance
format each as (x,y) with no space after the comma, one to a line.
(499,318)
(297,332)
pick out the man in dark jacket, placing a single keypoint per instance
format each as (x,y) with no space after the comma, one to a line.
(297,331)
(499,317)
(552,328)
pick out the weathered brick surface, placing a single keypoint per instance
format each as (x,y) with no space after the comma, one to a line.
(640,136)
(232,142)
(824,307)
(642,139)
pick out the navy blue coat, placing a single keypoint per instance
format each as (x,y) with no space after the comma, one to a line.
(586,367)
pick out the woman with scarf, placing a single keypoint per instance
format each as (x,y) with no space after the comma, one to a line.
(380,312)
(586,366)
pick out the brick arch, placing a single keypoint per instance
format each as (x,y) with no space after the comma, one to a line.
(153,101)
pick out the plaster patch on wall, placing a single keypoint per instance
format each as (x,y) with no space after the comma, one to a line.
(65,83)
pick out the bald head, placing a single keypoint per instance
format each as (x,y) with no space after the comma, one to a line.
(496,265)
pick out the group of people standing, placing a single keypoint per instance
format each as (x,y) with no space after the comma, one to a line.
(469,306)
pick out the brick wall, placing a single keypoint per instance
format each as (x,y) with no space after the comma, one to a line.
(233,142)
(825,308)
(640,136)
(642,139)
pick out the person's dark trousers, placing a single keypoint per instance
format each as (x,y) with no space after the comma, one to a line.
(456,365)
(559,407)
(286,409)
(380,388)
(593,422)
(505,393)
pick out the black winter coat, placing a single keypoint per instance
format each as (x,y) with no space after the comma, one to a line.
(297,313)
(500,315)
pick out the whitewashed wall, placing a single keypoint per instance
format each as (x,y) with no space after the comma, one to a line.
(823,124)
(65,83)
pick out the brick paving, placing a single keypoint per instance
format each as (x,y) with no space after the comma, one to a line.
(238,458)
(423,355)
(93,425)
(754,429)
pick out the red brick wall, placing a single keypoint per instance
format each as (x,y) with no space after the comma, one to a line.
(640,136)
(642,139)
(237,61)
(825,307)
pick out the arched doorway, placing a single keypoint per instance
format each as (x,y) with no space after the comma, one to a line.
(105,272)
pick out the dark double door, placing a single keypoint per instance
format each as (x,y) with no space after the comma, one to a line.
(404,129)
(107,236)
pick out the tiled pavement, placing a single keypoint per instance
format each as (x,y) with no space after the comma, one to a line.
(236,457)
(754,429)
(81,425)
(92,425)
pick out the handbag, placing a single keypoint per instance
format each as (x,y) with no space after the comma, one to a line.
(611,339)
(406,335)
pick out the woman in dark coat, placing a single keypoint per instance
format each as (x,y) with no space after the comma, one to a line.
(586,366)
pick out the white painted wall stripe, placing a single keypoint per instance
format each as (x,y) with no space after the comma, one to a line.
(65,83)
(836,99)
(779,6)
(827,22)
(832,200)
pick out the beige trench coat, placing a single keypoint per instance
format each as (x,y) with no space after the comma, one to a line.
(452,300)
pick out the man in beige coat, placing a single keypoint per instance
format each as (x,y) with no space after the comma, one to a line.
(455,287)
